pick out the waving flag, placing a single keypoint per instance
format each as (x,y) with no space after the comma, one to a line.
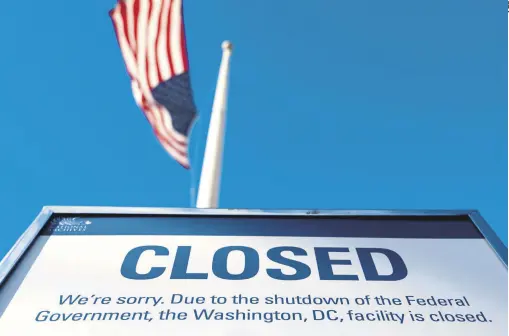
(152,41)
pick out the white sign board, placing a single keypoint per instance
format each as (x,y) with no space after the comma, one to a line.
(218,272)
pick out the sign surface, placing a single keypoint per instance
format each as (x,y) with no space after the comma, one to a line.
(229,274)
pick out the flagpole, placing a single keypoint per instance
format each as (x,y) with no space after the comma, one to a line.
(210,181)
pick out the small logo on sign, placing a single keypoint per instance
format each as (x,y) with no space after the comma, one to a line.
(69,224)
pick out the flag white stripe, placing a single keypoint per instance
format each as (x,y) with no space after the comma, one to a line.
(130,23)
(183,160)
(151,44)
(138,97)
(162,50)
(124,45)
(141,53)
(175,35)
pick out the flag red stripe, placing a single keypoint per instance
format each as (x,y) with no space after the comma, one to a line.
(168,41)
(136,14)
(182,156)
(125,20)
(160,128)
(183,43)
(159,20)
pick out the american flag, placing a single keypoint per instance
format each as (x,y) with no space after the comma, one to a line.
(152,41)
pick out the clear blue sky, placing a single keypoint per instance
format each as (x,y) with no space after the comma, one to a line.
(333,104)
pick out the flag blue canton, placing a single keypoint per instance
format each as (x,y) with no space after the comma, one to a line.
(176,96)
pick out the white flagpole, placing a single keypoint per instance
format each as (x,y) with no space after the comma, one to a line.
(210,181)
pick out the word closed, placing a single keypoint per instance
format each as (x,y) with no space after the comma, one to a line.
(251,266)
